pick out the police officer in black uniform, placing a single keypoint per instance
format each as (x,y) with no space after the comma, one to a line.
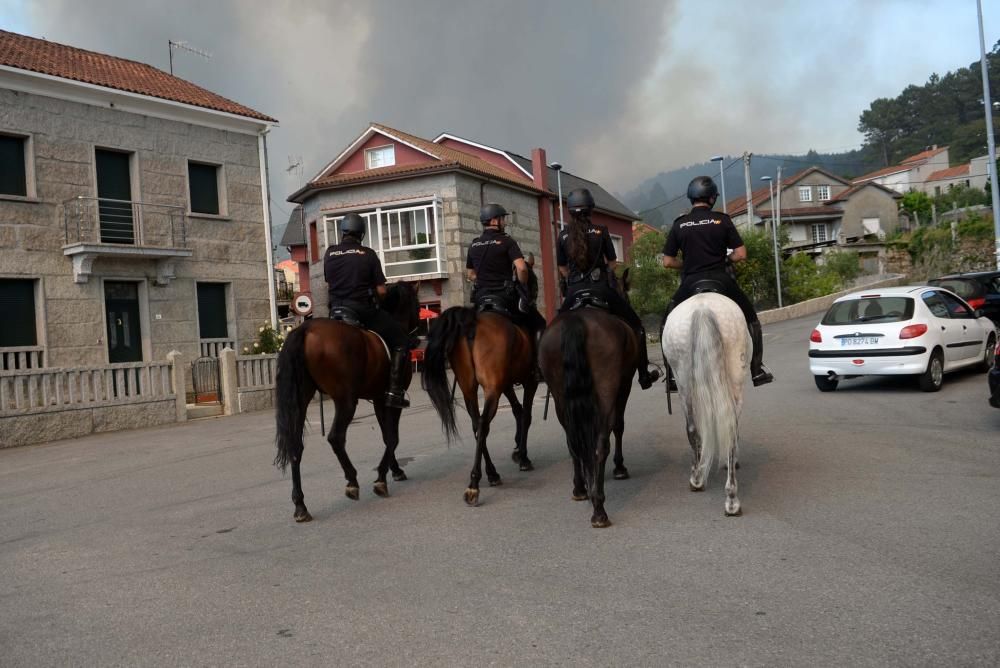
(586,258)
(491,257)
(354,275)
(704,237)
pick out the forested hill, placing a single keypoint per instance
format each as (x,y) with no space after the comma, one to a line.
(947,110)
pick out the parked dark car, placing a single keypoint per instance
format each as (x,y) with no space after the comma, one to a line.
(994,380)
(980,290)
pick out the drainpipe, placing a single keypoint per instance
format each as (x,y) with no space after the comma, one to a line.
(265,194)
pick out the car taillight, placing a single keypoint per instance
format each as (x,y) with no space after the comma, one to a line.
(816,337)
(913,331)
(976,303)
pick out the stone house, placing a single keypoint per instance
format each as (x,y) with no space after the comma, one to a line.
(821,212)
(133,221)
(421,199)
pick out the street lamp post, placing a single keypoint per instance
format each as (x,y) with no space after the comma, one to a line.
(994,192)
(774,236)
(722,180)
(558,167)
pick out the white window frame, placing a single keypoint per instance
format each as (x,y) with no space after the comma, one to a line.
(823,193)
(31,194)
(381,218)
(805,193)
(220,187)
(816,227)
(371,159)
(618,242)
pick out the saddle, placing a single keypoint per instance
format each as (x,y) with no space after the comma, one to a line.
(589,298)
(707,285)
(346,315)
(493,304)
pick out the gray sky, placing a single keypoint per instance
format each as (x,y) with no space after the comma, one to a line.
(617,91)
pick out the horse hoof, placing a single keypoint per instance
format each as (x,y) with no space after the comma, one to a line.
(303,516)
(526,465)
(381,489)
(621,474)
(496,482)
(399,477)
(352,492)
(733,510)
(472,497)
(600,522)
(696,488)
(516,455)
(577,496)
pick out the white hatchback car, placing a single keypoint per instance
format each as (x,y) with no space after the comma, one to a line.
(922,331)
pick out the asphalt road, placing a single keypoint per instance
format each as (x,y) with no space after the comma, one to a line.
(870,536)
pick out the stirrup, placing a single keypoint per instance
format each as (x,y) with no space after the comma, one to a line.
(394,400)
(763,377)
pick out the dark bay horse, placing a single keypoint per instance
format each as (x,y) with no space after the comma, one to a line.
(486,350)
(347,363)
(588,357)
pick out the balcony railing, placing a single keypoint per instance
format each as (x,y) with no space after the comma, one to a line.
(21,358)
(93,220)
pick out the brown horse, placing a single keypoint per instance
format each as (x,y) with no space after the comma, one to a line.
(588,357)
(485,350)
(348,363)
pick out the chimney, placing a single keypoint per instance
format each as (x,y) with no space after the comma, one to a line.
(539,169)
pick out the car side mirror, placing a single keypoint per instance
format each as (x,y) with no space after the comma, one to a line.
(978,313)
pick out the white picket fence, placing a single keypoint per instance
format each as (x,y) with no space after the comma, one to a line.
(256,371)
(49,390)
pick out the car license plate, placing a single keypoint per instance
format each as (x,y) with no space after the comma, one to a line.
(859,341)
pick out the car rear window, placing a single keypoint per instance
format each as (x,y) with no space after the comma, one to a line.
(869,309)
(966,288)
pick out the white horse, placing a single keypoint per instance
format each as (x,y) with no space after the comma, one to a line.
(706,342)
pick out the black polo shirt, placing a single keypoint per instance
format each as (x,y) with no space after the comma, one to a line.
(352,271)
(492,256)
(703,236)
(600,250)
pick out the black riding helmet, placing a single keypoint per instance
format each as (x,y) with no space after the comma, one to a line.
(702,189)
(354,225)
(491,211)
(580,201)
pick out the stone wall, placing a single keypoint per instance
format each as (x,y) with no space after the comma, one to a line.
(821,304)
(225,249)
(16,430)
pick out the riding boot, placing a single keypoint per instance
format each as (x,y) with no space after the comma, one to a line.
(646,377)
(759,373)
(396,396)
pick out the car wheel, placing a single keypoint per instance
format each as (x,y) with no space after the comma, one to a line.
(825,383)
(931,379)
(991,351)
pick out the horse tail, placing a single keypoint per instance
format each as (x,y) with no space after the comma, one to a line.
(293,391)
(578,388)
(445,332)
(710,399)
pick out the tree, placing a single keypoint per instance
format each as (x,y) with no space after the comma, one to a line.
(917,205)
(652,285)
(880,124)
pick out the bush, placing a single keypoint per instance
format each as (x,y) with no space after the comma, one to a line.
(652,285)
(844,264)
(269,341)
(756,274)
(803,279)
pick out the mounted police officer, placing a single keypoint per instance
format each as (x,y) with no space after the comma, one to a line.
(491,257)
(705,237)
(586,258)
(356,281)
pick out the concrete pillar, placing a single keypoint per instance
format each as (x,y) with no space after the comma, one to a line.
(229,382)
(178,376)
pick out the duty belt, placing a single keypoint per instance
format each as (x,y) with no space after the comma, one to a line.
(594,276)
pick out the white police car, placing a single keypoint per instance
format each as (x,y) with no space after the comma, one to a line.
(919,330)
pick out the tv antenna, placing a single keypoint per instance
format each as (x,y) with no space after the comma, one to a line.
(171,45)
(294,165)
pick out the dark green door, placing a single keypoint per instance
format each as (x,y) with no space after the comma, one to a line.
(114,192)
(121,301)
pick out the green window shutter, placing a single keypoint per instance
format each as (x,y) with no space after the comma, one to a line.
(212,320)
(17,309)
(204,187)
(12,176)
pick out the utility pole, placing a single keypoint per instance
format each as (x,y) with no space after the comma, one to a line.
(994,191)
(777,244)
(746,175)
